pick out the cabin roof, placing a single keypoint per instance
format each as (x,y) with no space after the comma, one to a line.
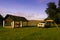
(16,18)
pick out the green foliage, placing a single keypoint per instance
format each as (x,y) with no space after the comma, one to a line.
(57,20)
(51,5)
(59,3)
(51,10)
(31,33)
(1,20)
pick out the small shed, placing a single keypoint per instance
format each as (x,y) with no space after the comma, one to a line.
(11,21)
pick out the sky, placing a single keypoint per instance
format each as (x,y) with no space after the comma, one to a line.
(30,9)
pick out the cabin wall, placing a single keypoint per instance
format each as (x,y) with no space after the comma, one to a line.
(20,24)
(25,24)
(15,24)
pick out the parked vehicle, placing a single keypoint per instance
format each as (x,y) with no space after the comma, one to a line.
(42,24)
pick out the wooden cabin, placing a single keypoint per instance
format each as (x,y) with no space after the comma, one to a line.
(11,21)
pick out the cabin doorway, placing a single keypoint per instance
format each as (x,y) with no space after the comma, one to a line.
(17,24)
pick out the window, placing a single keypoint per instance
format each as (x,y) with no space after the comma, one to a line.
(7,23)
(41,24)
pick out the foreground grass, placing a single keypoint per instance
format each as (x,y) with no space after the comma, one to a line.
(30,33)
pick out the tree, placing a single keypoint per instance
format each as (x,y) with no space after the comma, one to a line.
(51,10)
(57,19)
(1,20)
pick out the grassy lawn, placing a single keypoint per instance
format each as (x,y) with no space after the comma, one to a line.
(30,33)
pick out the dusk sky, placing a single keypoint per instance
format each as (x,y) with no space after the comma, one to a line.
(30,9)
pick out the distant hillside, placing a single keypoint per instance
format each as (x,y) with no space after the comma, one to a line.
(34,22)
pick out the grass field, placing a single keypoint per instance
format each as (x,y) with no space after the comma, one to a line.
(30,33)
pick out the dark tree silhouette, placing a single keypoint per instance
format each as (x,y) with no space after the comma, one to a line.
(57,20)
(59,3)
(51,10)
(1,20)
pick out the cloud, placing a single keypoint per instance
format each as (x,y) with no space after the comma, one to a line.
(42,1)
(29,17)
(36,17)
(33,16)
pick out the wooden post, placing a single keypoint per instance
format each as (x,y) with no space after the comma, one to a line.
(12,24)
(21,24)
(3,23)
